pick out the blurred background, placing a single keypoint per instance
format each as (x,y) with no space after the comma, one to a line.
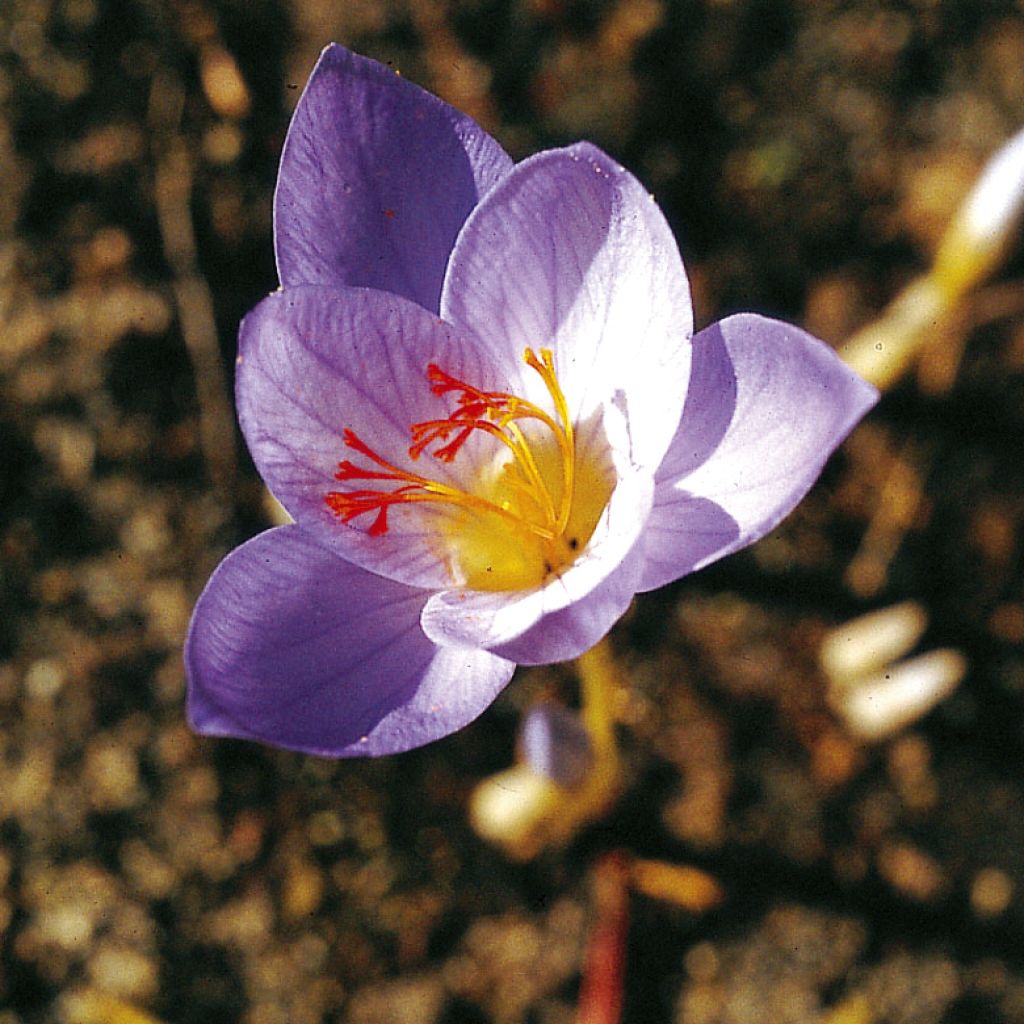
(808,154)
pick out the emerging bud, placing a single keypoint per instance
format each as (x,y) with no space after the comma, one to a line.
(869,643)
(553,742)
(513,809)
(870,690)
(982,229)
(971,249)
(878,707)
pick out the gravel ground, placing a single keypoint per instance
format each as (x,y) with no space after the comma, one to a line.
(808,155)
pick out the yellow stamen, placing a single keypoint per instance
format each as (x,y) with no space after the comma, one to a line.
(521,518)
(567,440)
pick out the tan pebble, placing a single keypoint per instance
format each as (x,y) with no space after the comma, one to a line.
(44,678)
(911,871)
(124,972)
(991,892)
(303,890)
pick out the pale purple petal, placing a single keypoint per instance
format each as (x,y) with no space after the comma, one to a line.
(377,177)
(767,405)
(568,614)
(292,646)
(314,361)
(683,534)
(570,252)
(553,742)
(567,632)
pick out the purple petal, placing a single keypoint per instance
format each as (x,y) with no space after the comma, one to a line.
(553,742)
(315,361)
(566,633)
(555,622)
(377,177)
(570,252)
(290,645)
(766,407)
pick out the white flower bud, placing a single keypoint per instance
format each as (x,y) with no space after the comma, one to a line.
(513,809)
(870,642)
(881,705)
(995,203)
(983,227)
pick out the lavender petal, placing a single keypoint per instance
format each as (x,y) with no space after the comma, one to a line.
(377,177)
(569,252)
(290,645)
(766,407)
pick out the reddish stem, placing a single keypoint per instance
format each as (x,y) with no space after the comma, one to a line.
(604,965)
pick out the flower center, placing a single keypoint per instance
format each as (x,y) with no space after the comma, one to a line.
(527,512)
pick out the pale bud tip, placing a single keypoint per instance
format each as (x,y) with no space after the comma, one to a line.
(870,642)
(511,809)
(881,705)
(995,203)
(553,742)
(981,231)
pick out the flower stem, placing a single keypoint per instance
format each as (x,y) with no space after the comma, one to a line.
(524,811)
(605,960)
(974,245)
(596,671)
(598,687)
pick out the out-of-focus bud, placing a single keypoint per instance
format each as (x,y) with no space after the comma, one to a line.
(568,773)
(873,693)
(514,808)
(871,642)
(880,705)
(559,785)
(685,886)
(975,242)
(984,226)
(553,742)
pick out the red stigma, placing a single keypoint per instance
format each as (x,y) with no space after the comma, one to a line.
(492,412)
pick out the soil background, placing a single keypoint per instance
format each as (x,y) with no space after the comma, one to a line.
(808,155)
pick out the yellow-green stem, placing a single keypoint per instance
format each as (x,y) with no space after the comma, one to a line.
(524,811)
(596,671)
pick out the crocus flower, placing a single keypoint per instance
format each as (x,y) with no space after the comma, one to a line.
(478,395)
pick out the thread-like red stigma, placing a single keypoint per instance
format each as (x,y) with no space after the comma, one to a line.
(495,413)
